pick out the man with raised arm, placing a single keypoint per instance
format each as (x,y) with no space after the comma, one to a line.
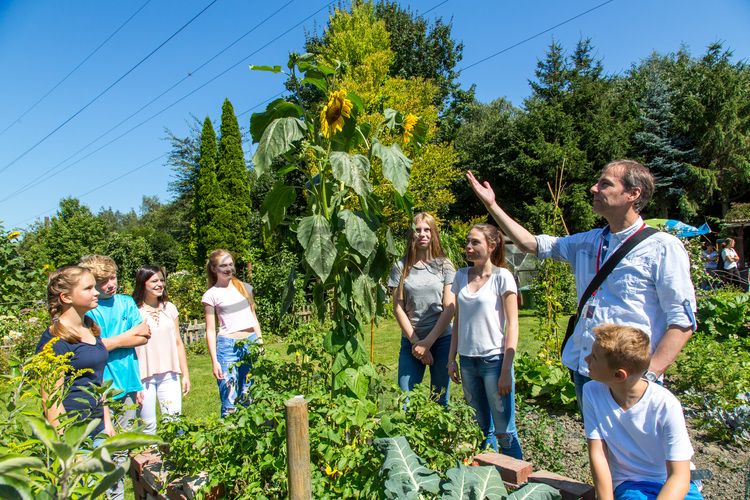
(650,288)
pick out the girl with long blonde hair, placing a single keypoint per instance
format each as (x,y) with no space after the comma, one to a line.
(229,301)
(71,293)
(423,305)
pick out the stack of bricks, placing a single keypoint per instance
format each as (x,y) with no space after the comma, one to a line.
(150,475)
(515,473)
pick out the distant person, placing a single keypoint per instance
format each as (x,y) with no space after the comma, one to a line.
(638,443)
(650,288)
(228,300)
(71,293)
(485,336)
(423,305)
(731,274)
(162,361)
(122,329)
(710,256)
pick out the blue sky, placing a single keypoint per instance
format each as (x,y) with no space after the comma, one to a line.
(43,40)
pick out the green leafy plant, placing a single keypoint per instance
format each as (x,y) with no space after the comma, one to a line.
(544,380)
(724,312)
(347,244)
(246,452)
(406,476)
(42,462)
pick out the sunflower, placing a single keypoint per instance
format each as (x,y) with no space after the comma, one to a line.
(333,114)
(410,121)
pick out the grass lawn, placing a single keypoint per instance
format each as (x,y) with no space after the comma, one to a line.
(203,400)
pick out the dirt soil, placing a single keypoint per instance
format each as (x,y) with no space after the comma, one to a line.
(728,463)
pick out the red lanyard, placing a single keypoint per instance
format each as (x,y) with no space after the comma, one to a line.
(601,243)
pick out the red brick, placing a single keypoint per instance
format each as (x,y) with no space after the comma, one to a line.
(569,488)
(139,461)
(174,491)
(511,470)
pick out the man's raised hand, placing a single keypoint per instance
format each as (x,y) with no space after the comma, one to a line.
(483,191)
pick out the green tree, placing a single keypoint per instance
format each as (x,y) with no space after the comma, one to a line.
(232,215)
(714,112)
(207,197)
(20,284)
(71,233)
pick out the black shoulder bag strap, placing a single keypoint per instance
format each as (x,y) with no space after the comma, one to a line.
(599,278)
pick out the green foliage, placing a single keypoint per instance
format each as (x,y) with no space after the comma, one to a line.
(341,231)
(246,452)
(544,380)
(40,461)
(724,313)
(407,477)
(20,284)
(71,233)
(19,335)
(542,437)
(269,280)
(185,291)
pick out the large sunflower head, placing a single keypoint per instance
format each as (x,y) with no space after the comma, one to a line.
(410,122)
(333,114)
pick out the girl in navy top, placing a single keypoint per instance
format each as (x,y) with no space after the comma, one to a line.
(71,293)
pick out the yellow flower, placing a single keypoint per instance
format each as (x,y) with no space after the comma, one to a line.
(410,121)
(332,472)
(333,114)
(14,235)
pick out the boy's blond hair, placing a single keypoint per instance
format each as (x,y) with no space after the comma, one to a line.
(101,266)
(624,347)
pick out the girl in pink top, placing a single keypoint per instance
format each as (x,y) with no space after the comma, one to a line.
(227,306)
(162,360)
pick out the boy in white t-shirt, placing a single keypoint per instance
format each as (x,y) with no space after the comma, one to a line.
(638,443)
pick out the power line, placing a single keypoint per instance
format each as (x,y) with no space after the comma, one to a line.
(107,89)
(76,68)
(232,66)
(434,7)
(506,49)
(141,166)
(44,175)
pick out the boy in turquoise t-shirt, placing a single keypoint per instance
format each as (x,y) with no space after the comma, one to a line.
(122,329)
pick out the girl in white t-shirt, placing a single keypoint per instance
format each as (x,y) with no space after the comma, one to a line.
(485,335)
(162,361)
(228,300)
(730,258)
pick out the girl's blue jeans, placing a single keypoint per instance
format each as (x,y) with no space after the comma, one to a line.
(233,357)
(479,376)
(411,370)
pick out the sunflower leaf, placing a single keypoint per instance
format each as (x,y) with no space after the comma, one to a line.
(353,171)
(396,165)
(314,235)
(278,108)
(277,139)
(358,233)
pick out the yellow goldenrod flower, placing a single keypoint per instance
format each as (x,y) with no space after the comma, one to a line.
(333,114)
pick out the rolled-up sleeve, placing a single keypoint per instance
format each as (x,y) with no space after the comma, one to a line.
(674,287)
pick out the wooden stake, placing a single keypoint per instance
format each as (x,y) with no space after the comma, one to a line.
(298,449)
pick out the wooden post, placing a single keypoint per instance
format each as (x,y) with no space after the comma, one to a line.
(298,449)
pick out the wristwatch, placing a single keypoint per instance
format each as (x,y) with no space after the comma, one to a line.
(651,376)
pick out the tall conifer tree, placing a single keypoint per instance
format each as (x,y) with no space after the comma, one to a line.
(207,198)
(233,215)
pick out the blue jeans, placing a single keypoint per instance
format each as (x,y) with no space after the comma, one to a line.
(648,490)
(479,377)
(411,370)
(233,388)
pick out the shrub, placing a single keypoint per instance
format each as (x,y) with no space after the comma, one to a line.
(544,380)
(185,291)
(724,312)
(19,335)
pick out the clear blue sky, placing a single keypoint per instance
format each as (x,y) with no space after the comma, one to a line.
(43,40)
